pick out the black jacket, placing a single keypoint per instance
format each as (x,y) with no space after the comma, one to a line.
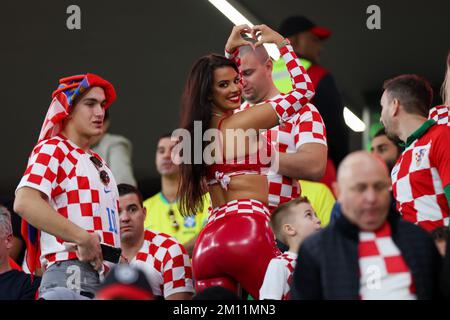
(328,263)
(17,285)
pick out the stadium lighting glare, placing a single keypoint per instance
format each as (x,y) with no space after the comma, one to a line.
(237,18)
(353,122)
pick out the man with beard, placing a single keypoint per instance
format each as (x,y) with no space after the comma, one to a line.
(386,148)
(421,176)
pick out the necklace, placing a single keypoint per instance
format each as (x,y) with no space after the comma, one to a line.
(217,114)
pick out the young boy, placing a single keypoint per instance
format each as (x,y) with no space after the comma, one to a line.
(291,222)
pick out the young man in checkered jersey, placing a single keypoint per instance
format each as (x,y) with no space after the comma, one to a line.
(68,193)
(300,142)
(161,257)
(291,222)
(369,252)
(421,176)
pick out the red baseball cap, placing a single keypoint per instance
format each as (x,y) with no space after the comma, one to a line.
(297,24)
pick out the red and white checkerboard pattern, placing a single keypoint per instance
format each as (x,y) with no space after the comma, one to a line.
(234,56)
(384,274)
(64,173)
(286,105)
(305,127)
(278,279)
(440,114)
(419,177)
(166,264)
(248,206)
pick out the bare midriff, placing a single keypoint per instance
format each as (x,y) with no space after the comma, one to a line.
(240,187)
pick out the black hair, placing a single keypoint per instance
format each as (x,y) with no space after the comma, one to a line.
(440,233)
(414,93)
(382,132)
(125,189)
(196,106)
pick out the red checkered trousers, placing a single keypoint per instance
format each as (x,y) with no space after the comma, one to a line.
(223,254)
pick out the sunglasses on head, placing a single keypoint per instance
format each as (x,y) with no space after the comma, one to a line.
(104,177)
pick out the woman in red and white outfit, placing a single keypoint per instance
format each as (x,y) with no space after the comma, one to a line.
(237,244)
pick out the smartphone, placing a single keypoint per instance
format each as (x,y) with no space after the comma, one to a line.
(110,253)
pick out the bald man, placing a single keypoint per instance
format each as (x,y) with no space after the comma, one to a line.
(368,252)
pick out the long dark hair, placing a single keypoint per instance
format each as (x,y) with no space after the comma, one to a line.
(196,106)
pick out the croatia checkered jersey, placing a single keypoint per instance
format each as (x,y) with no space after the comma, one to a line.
(303,88)
(307,126)
(384,274)
(166,264)
(440,114)
(64,173)
(278,279)
(421,178)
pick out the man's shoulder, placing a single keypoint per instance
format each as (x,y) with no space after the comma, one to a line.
(59,148)
(325,238)
(19,278)
(438,135)
(313,243)
(160,238)
(438,130)
(411,230)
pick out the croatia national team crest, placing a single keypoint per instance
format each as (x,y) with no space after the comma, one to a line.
(189,222)
(419,156)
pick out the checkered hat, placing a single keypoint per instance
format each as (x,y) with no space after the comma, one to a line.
(68,90)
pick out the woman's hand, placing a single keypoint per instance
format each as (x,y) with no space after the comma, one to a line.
(266,35)
(235,40)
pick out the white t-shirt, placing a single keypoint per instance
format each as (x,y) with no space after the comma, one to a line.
(277,281)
